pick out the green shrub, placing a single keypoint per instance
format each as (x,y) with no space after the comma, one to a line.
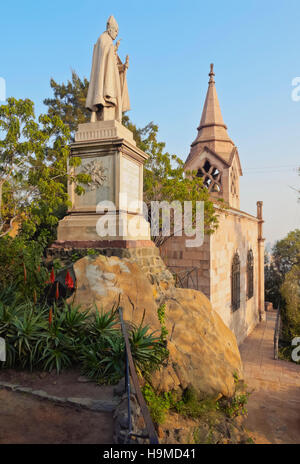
(192,406)
(28,332)
(147,350)
(21,326)
(104,361)
(103,325)
(8,295)
(56,353)
(61,341)
(161,313)
(290,311)
(73,321)
(8,314)
(21,268)
(235,406)
(158,404)
(285,353)
(188,404)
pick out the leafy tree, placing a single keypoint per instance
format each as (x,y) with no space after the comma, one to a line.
(273,281)
(164,176)
(22,268)
(69,102)
(166,179)
(286,252)
(290,291)
(33,169)
(285,255)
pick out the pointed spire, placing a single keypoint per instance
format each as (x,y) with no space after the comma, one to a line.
(211,74)
(211,114)
(212,132)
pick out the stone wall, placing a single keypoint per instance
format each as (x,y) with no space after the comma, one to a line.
(191,265)
(212,262)
(237,232)
(148,258)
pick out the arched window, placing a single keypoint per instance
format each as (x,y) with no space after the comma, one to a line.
(235,282)
(250,260)
(233,182)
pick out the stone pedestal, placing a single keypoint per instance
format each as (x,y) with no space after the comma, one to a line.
(111,207)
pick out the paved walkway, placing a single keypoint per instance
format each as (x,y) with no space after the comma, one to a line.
(274,405)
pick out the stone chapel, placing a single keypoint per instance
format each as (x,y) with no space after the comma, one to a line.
(229,267)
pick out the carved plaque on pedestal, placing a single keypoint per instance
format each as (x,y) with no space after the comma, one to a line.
(129,184)
(102,185)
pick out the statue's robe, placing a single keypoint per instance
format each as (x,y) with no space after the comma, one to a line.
(108,83)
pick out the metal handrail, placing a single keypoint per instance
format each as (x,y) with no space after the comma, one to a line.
(276,333)
(152,435)
(184,277)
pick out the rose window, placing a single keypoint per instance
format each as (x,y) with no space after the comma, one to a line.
(212,177)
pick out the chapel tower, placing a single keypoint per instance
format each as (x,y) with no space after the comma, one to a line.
(213,154)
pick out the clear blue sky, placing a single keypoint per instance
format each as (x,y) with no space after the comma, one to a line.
(255,48)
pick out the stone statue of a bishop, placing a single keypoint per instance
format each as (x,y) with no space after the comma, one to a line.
(107,96)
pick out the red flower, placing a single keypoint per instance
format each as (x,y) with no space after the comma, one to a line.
(50,316)
(34,296)
(57,292)
(25,273)
(69,281)
(52,276)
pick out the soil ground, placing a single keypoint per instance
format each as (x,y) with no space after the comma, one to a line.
(25,419)
(274,405)
(65,384)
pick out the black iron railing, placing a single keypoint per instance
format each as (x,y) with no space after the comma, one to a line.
(186,278)
(130,369)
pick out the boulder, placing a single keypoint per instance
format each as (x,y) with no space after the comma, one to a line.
(106,281)
(203,350)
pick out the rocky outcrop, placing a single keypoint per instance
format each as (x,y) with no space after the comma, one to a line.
(203,351)
(105,281)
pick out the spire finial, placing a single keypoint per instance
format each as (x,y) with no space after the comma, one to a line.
(211,74)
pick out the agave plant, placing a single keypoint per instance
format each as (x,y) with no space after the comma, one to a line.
(8,295)
(147,349)
(55,358)
(103,324)
(60,340)
(7,316)
(28,329)
(114,361)
(56,350)
(90,362)
(103,361)
(72,320)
